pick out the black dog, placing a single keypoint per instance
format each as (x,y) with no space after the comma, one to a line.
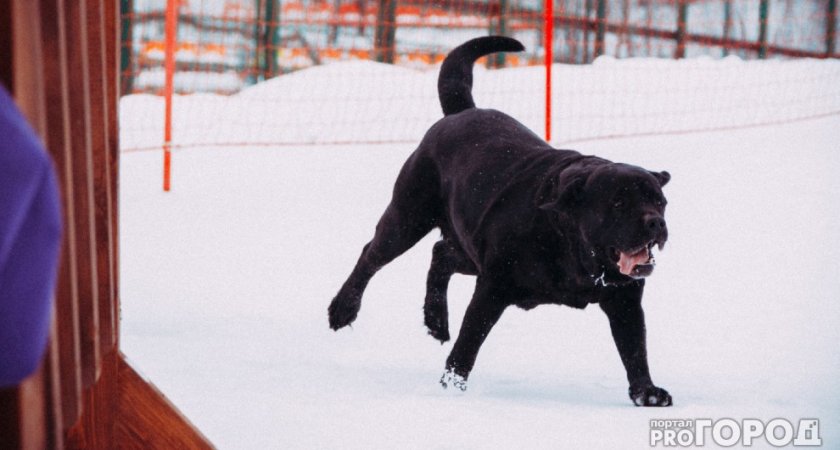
(535,224)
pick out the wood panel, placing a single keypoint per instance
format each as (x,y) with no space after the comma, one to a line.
(95,430)
(112,69)
(27,71)
(59,145)
(83,190)
(100,142)
(66,81)
(54,438)
(148,419)
(33,412)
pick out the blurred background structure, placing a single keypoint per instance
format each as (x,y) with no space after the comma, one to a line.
(225,45)
(304,72)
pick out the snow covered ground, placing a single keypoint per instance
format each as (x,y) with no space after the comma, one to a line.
(363,101)
(225,283)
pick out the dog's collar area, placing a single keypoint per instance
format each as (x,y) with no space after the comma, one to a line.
(601,279)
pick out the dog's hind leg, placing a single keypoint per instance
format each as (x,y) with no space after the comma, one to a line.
(412,213)
(446,260)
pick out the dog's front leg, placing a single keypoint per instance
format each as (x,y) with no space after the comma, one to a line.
(623,306)
(483,312)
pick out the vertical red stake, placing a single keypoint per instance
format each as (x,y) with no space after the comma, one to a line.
(548,44)
(171,22)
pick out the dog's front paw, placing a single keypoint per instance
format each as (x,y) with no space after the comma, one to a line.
(343,311)
(650,395)
(450,378)
(437,320)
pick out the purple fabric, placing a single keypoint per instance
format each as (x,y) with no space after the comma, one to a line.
(30,235)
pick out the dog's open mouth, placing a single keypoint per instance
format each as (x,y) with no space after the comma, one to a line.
(637,262)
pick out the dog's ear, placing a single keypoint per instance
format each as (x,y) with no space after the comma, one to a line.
(663,177)
(561,192)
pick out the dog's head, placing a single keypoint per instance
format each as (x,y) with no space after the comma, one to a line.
(617,211)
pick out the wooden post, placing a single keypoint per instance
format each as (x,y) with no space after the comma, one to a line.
(56,90)
(24,59)
(126,74)
(727,24)
(52,391)
(332,36)
(587,11)
(386,18)
(360,29)
(762,28)
(682,19)
(270,39)
(109,313)
(624,37)
(75,343)
(600,27)
(100,82)
(502,30)
(830,27)
(257,71)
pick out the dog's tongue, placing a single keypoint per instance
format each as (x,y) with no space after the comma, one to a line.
(626,262)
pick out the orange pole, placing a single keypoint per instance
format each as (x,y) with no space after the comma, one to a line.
(171,23)
(548,44)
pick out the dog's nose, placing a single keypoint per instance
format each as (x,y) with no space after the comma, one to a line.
(655,223)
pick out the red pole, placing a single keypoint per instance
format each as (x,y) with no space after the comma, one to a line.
(548,44)
(171,23)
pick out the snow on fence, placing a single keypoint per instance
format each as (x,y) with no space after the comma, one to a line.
(277,72)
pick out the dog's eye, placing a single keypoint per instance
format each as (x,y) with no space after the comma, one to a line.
(618,204)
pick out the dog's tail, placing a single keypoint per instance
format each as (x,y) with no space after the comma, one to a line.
(455,79)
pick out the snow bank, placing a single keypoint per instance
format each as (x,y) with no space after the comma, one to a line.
(363,101)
